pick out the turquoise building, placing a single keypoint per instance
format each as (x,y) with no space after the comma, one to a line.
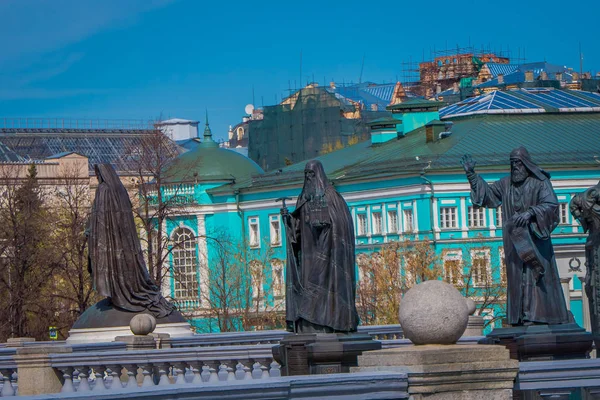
(404,185)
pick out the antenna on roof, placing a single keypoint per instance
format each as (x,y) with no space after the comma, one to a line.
(362,66)
(580,60)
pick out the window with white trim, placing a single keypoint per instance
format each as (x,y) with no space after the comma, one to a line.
(362,224)
(408,220)
(278,277)
(499,217)
(502,267)
(392,221)
(448,217)
(275,229)
(481,273)
(254,228)
(476,217)
(256,276)
(185,264)
(564,213)
(453,266)
(377,223)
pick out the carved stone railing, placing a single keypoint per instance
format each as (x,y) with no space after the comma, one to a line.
(98,372)
(380,385)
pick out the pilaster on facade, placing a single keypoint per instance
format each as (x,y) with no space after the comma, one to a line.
(587,322)
(202,259)
(463,218)
(415,220)
(435,218)
(165,285)
(492,224)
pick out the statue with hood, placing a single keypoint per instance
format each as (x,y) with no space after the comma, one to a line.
(320,278)
(116,261)
(530,212)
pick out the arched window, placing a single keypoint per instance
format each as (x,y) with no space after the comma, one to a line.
(185,264)
(278,278)
(240,133)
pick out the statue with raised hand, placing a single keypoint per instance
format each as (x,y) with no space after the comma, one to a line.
(530,214)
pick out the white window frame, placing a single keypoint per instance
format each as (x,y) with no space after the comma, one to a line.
(502,266)
(477,279)
(377,222)
(392,221)
(257,284)
(278,278)
(476,217)
(408,220)
(453,255)
(499,217)
(449,217)
(361,224)
(254,232)
(185,264)
(563,213)
(275,229)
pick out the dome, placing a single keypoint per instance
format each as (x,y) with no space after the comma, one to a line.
(209,162)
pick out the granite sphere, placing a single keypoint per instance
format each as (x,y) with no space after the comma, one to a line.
(433,312)
(471,306)
(142,324)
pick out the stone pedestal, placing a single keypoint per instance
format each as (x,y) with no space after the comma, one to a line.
(321,353)
(138,342)
(36,375)
(474,326)
(543,342)
(448,372)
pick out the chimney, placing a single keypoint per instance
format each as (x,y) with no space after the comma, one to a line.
(500,79)
(543,76)
(559,76)
(528,76)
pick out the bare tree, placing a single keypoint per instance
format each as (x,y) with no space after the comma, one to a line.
(27,251)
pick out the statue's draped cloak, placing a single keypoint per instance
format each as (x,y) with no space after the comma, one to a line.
(116,259)
(321,277)
(527,300)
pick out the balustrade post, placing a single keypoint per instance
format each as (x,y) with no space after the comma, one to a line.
(147,372)
(163,373)
(179,368)
(36,375)
(131,377)
(196,368)
(84,383)
(68,380)
(99,374)
(7,388)
(115,373)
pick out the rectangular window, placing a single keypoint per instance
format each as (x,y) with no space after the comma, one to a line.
(377,223)
(480,268)
(278,278)
(392,221)
(453,273)
(564,213)
(448,217)
(499,217)
(408,221)
(254,232)
(502,268)
(476,217)
(362,224)
(275,230)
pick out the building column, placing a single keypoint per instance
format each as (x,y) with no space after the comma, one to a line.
(564,283)
(587,323)
(463,217)
(415,220)
(203,258)
(492,224)
(435,217)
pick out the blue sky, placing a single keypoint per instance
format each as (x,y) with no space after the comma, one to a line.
(140,59)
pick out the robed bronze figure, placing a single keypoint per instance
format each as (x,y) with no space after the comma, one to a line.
(530,212)
(585,207)
(321,277)
(116,261)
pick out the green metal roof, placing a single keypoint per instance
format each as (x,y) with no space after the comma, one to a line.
(385,121)
(553,140)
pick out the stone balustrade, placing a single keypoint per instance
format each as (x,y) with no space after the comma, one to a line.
(380,385)
(98,372)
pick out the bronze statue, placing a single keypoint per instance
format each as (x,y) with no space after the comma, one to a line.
(585,207)
(116,261)
(320,278)
(530,214)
